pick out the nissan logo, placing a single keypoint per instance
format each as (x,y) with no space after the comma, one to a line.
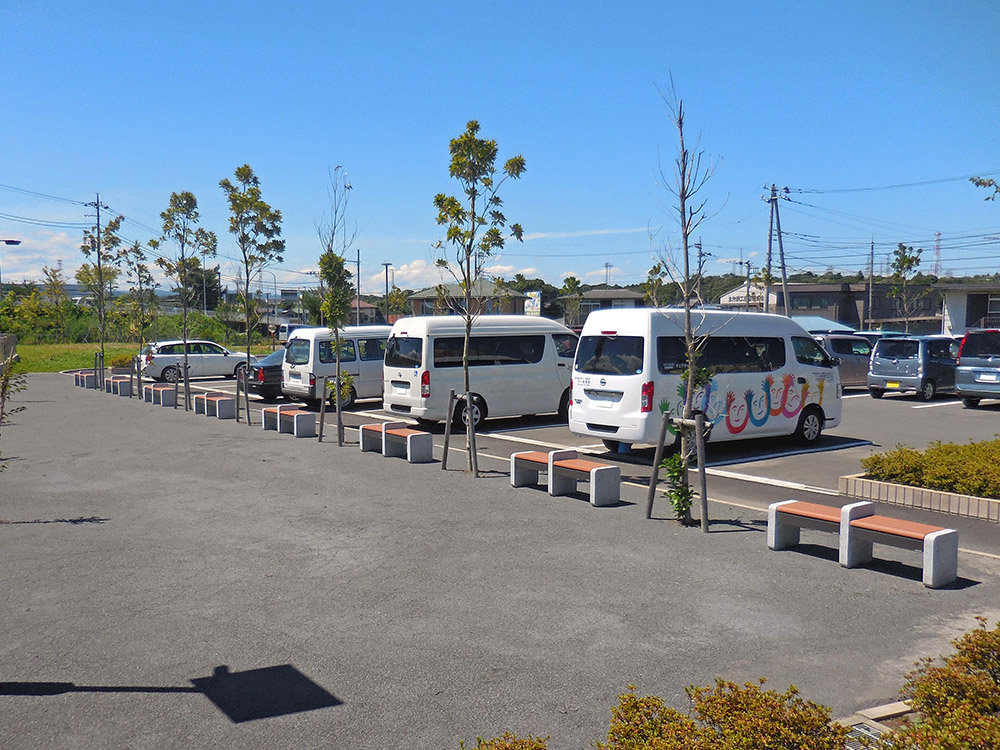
(603,381)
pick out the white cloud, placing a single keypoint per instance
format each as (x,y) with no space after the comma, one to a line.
(416,274)
(603,273)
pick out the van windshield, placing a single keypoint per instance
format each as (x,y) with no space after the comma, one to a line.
(297,352)
(981,344)
(610,355)
(403,351)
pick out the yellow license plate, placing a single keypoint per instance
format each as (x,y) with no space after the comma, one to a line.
(892,385)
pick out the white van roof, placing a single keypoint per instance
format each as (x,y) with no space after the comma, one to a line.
(322,332)
(421,325)
(667,321)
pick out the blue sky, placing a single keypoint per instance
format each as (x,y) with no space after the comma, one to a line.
(138,100)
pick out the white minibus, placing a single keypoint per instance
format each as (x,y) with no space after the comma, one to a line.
(768,376)
(518,365)
(311,354)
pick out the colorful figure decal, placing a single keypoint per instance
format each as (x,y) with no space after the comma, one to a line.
(754,408)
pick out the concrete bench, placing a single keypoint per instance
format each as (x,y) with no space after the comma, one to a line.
(199,403)
(121,385)
(288,419)
(397,440)
(221,406)
(939,545)
(564,470)
(84,379)
(787,518)
(164,395)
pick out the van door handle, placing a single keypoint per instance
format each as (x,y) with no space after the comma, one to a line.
(561,364)
(802,381)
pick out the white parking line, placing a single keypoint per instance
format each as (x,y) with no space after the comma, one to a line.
(857,395)
(940,403)
(770,482)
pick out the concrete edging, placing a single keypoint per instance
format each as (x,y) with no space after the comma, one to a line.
(983,508)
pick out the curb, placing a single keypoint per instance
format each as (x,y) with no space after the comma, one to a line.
(968,506)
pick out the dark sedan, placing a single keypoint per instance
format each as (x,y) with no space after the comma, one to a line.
(265,375)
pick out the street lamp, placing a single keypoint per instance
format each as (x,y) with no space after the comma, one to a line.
(387,266)
(6,242)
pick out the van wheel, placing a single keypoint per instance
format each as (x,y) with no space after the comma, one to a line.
(478,409)
(810,426)
(970,402)
(564,406)
(345,403)
(927,391)
(875,392)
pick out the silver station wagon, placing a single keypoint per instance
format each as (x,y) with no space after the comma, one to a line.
(163,360)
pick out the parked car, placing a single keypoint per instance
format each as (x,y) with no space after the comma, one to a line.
(874,336)
(854,353)
(924,365)
(162,360)
(977,372)
(265,375)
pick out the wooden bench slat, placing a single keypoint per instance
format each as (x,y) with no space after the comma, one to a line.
(535,456)
(578,464)
(812,510)
(372,427)
(291,413)
(404,432)
(895,526)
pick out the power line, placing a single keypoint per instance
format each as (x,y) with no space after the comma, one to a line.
(963,178)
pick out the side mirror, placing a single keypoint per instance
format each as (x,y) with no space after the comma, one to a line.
(835,361)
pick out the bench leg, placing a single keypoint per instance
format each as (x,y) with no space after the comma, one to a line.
(560,484)
(605,486)
(167,398)
(420,448)
(393,447)
(780,535)
(370,440)
(304,425)
(940,558)
(225,409)
(847,539)
(269,420)
(522,473)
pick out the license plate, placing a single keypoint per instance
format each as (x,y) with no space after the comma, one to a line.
(892,384)
(987,377)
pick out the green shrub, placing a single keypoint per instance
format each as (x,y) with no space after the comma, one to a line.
(727,716)
(970,469)
(509,741)
(958,699)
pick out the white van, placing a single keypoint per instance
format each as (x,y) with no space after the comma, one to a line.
(769,377)
(310,354)
(518,365)
(285,330)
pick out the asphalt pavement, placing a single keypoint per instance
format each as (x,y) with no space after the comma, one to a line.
(175,580)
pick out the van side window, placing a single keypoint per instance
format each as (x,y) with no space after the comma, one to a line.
(565,344)
(723,354)
(486,351)
(328,352)
(371,349)
(808,352)
(297,352)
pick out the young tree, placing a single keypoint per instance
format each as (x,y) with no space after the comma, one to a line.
(573,292)
(257,229)
(475,230)
(338,293)
(180,226)
(904,264)
(59,301)
(689,175)
(99,246)
(140,303)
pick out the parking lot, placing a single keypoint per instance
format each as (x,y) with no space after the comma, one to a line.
(173,580)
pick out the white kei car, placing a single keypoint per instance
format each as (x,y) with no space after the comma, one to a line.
(163,360)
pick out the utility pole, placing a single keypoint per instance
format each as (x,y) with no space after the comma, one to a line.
(101,312)
(871,282)
(387,265)
(701,265)
(773,200)
(748,265)
(767,266)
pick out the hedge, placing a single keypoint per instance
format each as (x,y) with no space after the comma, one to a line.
(969,469)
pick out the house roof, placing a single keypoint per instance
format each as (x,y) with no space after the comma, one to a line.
(480,288)
(599,294)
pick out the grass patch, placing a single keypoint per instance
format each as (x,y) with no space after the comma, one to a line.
(59,357)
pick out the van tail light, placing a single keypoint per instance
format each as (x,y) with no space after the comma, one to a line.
(425,384)
(260,375)
(646,404)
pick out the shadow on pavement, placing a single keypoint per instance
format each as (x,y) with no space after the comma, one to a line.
(241,696)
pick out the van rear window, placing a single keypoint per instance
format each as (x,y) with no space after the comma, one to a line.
(403,351)
(610,355)
(981,344)
(297,352)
